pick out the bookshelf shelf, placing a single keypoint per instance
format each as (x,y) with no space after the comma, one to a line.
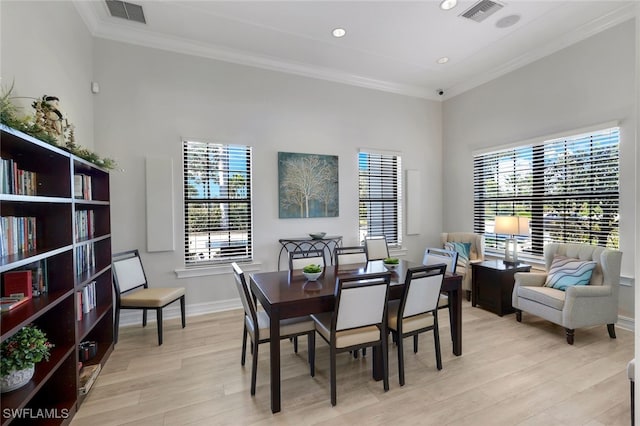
(39,182)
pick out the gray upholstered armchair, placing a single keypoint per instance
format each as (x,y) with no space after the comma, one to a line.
(476,254)
(577,306)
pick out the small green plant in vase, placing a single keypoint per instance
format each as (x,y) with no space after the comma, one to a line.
(391,262)
(312,272)
(19,355)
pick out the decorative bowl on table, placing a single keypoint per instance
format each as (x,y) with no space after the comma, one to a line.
(312,272)
(317,235)
(391,263)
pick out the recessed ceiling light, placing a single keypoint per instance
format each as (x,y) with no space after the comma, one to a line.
(443,60)
(339,32)
(448,4)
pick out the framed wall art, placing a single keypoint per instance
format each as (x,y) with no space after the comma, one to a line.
(308,185)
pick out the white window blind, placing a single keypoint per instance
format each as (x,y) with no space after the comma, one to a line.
(217,203)
(567,187)
(380,196)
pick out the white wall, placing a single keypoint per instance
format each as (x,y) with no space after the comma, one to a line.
(585,84)
(47,50)
(150,99)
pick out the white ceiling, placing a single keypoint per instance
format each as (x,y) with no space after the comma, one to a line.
(390,45)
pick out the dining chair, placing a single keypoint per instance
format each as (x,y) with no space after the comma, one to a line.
(298,259)
(358,320)
(434,256)
(350,255)
(257,323)
(376,248)
(132,291)
(417,311)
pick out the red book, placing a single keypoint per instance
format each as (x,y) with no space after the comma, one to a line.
(17,283)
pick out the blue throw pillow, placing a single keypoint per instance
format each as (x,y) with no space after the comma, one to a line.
(463,250)
(566,272)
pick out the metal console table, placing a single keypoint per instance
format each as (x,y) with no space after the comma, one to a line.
(328,243)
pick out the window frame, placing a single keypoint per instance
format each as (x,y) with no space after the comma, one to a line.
(581,187)
(393,201)
(232,160)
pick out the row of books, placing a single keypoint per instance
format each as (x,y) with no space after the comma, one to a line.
(85,259)
(86,300)
(17,235)
(85,224)
(82,187)
(14,180)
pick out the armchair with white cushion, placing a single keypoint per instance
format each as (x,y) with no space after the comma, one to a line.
(577,305)
(476,254)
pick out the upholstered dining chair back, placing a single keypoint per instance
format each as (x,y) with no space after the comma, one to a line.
(245,295)
(300,258)
(376,248)
(361,301)
(422,287)
(350,255)
(128,273)
(435,256)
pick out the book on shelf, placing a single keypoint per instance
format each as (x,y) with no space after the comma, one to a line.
(17,283)
(85,224)
(18,235)
(9,303)
(82,187)
(14,180)
(87,377)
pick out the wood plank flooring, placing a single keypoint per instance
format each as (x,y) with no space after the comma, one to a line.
(509,374)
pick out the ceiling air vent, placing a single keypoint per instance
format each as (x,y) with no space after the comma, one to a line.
(124,10)
(482,10)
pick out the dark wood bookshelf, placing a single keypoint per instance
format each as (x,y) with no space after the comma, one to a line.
(54,385)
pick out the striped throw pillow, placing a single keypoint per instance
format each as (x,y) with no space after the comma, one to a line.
(464,252)
(566,272)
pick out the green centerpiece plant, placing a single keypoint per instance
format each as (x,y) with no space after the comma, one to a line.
(21,352)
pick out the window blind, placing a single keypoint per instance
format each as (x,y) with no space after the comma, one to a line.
(217,203)
(567,187)
(380,199)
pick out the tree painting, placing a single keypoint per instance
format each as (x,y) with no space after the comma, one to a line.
(308,185)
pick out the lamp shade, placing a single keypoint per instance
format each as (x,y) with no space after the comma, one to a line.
(512,225)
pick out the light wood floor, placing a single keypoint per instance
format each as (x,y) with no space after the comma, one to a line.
(509,374)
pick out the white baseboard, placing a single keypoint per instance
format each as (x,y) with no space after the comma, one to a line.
(134,317)
(626,323)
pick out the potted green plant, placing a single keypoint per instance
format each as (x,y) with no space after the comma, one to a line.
(19,355)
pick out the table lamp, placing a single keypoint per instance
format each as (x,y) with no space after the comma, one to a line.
(511,225)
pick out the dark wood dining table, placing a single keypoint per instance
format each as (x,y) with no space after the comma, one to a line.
(288,294)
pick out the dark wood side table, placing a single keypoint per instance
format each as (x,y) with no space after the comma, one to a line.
(492,285)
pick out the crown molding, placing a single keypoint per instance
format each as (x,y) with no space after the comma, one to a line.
(583,32)
(131,35)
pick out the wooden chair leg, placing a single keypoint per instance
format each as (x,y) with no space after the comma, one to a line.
(311,345)
(518,315)
(332,362)
(385,361)
(415,343)
(611,328)
(436,341)
(144,317)
(159,319)
(182,312)
(400,361)
(295,344)
(570,334)
(244,345)
(633,399)
(254,367)
(116,325)
(364,351)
